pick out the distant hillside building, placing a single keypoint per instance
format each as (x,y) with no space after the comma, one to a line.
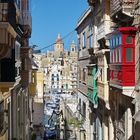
(61,67)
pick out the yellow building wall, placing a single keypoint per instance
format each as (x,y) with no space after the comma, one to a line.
(40,83)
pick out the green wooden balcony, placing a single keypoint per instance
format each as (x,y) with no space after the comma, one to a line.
(92,86)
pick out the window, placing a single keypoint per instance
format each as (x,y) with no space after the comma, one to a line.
(52,77)
(110,56)
(129,54)
(79,48)
(90,41)
(129,40)
(90,71)
(113,56)
(117,41)
(84,74)
(116,52)
(120,54)
(66,86)
(73,49)
(84,110)
(79,74)
(57,77)
(120,39)
(113,42)
(17,50)
(84,40)
(79,105)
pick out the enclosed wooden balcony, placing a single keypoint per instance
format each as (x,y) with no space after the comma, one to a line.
(103,29)
(26,19)
(9,70)
(9,12)
(7,25)
(25,77)
(121,6)
(7,36)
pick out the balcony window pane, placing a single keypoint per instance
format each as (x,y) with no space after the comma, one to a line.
(84,110)
(120,40)
(129,40)
(129,54)
(90,41)
(110,56)
(84,40)
(84,74)
(116,52)
(113,56)
(117,41)
(120,55)
(113,45)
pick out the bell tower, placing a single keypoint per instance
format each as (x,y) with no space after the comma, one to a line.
(59,45)
(73,47)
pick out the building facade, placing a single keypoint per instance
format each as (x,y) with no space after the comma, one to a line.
(117,98)
(15,28)
(87,90)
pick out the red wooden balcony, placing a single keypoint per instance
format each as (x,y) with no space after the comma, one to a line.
(122,57)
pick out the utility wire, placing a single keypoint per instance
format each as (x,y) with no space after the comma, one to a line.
(61,38)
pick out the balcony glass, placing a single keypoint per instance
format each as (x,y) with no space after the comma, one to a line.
(129,54)
(84,40)
(120,39)
(129,40)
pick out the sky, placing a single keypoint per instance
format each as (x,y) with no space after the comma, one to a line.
(50,17)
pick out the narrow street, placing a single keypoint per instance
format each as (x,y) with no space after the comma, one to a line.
(70,70)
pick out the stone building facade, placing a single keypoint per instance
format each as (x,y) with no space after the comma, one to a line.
(15,66)
(115,110)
